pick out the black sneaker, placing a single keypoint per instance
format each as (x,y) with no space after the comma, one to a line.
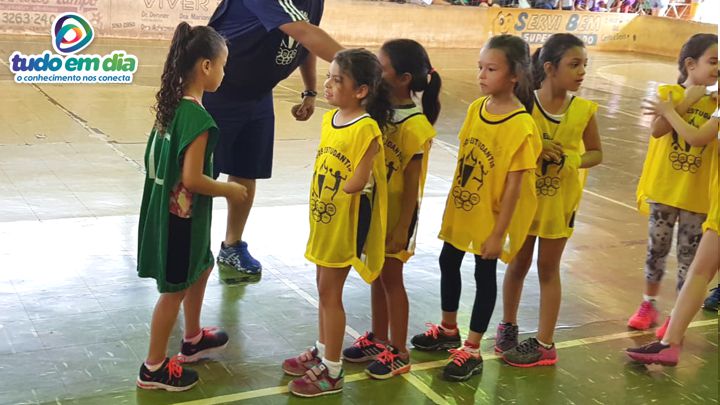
(463,365)
(364,349)
(435,339)
(213,340)
(506,337)
(171,376)
(711,302)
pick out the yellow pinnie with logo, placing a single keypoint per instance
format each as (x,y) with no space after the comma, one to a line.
(490,147)
(559,185)
(347,229)
(675,173)
(410,138)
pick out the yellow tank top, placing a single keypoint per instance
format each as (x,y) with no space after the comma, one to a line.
(675,173)
(334,214)
(559,185)
(411,135)
(490,147)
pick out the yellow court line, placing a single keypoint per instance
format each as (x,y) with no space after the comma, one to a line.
(416,382)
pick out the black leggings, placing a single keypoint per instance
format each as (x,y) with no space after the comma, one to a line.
(485,286)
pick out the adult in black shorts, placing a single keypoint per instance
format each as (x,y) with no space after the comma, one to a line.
(268,40)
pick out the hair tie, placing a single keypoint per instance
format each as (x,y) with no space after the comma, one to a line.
(432,70)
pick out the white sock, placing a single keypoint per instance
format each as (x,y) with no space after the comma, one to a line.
(321,348)
(652,299)
(543,344)
(334,367)
(665,342)
(153,367)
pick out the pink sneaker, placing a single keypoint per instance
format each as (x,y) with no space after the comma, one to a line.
(317,382)
(660,332)
(645,317)
(655,353)
(298,366)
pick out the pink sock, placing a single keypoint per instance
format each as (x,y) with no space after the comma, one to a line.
(153,367)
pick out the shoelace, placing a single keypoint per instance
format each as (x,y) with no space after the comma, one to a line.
(433,331)
(528,346)
(459,356)
(363,341)
(174,367)
(387,357)
(645,308)
(507,333)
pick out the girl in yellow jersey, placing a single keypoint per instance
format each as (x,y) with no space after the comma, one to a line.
(706,263)
(492,198)
(674,183)
(570,143)
(348,207)
(407,70)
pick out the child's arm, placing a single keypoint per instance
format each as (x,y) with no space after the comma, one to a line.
(492,247)
(411,189)
(693,94)
(593,148)
(197,182)
(362,172)
(694,136)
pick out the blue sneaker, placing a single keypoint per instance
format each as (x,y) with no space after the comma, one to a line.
(711,302)
(236,259)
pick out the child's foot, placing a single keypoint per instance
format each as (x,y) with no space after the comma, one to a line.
(644,317)
(213,340)
(464,363)
(298,366)
(660,332)
(389,363)
(171,376)
(364,349)
(506,337)
(436,338)
(317,382)
(237,259)
(711,302)
(531,353)
(655,353)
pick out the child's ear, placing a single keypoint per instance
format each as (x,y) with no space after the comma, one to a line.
(206,65)
(405,79)
(362,91)
(689,63)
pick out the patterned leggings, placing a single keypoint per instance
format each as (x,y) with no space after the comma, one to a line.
(662,222)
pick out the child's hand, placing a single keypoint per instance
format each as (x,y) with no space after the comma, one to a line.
(396,240)
(657,107)
(492,247)
(237,193)
(694,93)
(305,110)
(552,151)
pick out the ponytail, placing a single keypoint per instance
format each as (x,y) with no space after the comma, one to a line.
(517,53)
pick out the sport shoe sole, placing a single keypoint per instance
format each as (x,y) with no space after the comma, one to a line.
(545,362)
(201,354)
(477,370)
(401,370)
(360,359)
(651,359)
(639,326)
(230,275)
(319,394)
(439,347)
(150,385)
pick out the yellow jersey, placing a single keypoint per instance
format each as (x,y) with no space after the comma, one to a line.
(491,146)
(675,173)
(559,185)
(410,138)
(334,214)
(713,218)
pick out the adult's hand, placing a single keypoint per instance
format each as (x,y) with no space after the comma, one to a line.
(304,110)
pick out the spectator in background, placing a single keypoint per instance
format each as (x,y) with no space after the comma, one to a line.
(658,6)
(546,4)
(567,5)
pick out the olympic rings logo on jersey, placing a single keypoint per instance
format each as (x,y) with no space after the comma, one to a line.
(321,211)
(71,33)
(547,185)
(685,161)
(464,199)
(288,52)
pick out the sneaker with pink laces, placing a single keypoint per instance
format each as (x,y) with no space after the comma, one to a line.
(364,349)
(660,332)
(317,382)
(655,353)
(388,364)
(436,338)
(298,366)
(645,317)
(213,340)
